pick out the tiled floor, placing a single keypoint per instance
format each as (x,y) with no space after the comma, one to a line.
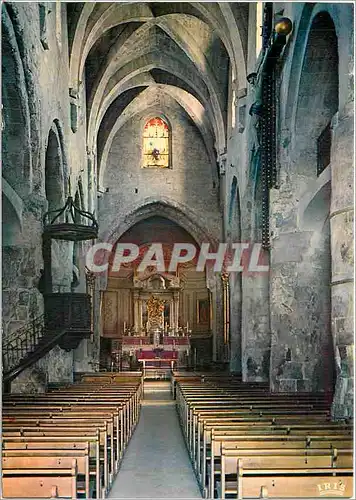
(156,463)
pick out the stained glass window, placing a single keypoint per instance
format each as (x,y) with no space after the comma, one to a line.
(156,144)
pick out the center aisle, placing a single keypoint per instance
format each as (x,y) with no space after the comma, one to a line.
(156,463)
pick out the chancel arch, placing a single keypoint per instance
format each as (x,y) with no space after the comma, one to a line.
(177,249)
(157,306)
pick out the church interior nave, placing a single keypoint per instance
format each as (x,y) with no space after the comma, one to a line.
(177,208)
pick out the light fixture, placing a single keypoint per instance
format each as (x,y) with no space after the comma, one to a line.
(70,223)
(283,26)
(252,78)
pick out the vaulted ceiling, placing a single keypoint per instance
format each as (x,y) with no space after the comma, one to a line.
(130,54)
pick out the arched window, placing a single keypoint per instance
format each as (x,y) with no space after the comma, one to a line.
(156,137)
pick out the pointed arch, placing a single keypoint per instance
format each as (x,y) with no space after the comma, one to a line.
(56,168)
(16,127)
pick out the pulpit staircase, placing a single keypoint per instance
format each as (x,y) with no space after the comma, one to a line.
(26,346)
(66,321)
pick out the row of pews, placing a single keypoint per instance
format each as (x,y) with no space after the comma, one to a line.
(245,442)
(70,441)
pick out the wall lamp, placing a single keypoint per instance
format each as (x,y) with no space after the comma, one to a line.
(283,26)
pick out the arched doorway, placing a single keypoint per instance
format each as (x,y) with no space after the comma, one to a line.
(57,254)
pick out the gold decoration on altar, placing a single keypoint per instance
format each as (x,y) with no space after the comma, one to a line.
(155,308)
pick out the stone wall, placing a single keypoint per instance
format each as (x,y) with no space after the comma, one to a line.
(312,93)
(36,79)
(249,295)
(188,183)
(291,320)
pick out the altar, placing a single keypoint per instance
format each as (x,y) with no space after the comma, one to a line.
(156,339)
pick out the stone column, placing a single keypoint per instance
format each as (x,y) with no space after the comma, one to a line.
(136,310)
(342,285)
(226,312)
(175,309)
(215,286)
(171,314)
(255,327)
(139,326)
(235,322)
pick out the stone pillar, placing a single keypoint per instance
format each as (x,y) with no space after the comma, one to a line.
(215,286)
(235,322)
(255,328)
(342,285)
(171,314)
(175,309)
(226,314)
(139,326)
(91,186)
(136,310)
(211,285)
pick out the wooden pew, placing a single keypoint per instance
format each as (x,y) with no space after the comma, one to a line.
(53,430)
(255,417)
(268,411)
(74,404)
(294,483)
(90,417)
(126,425)
(43,459)
(206,423)
(52,442)
(267,459)
(102,410)
(69,426)
(82,407)
(40,483)
(249,440)
(216,436)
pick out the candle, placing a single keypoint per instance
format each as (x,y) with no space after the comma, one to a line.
(124,326)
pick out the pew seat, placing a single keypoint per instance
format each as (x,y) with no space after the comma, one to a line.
(40,483)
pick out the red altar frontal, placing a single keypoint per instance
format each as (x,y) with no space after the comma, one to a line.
(157,352)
